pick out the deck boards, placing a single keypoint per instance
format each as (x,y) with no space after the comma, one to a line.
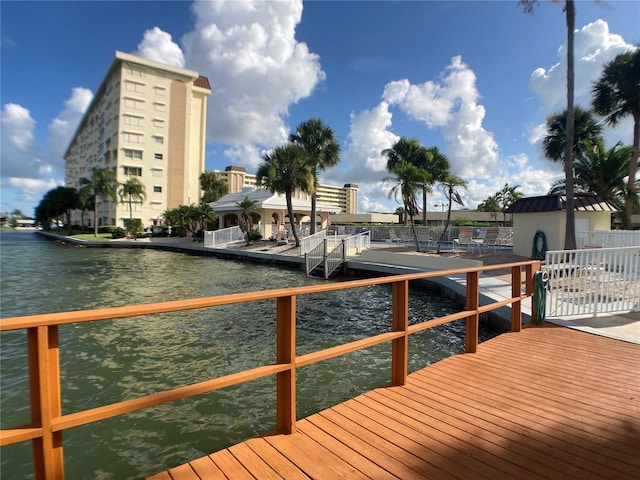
(543,403)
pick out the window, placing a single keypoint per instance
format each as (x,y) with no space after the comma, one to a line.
(132,120)
(157,189)
(159,107)
(157,156)
(132,154)
(134,86)
(132,137)
(133,171)
(158,123)
(134,103)
(156,172)
(158,139)
(160,90)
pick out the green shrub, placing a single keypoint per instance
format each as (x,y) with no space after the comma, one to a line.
(255,235)
(107,228)
(118,232)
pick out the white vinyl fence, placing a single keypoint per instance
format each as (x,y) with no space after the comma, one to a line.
(592,281)
(217,238)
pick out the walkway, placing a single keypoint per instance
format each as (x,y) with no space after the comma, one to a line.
(542,403)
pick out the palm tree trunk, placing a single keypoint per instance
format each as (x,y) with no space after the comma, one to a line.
(446,225)
(313,214)
(424,207)
(633,168)
(570,230)
(95,216)
(292,219)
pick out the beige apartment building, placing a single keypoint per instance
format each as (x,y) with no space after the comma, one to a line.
(345,198)
(146,120)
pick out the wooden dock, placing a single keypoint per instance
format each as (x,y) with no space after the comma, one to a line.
(550,403)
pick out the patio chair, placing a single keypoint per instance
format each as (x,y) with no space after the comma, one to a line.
(491,238)
(424,238)
(464,239)
(505,236)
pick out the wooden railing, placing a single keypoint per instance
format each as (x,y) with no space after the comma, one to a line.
(48,422)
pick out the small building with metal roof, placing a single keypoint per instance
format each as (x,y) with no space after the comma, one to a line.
(548,214)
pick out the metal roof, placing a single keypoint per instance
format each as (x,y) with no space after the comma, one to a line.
(584,202)
(267,200)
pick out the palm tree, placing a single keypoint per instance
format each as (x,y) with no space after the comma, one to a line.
(284,171)
(318,142)
(601,172)
(408,179)
(247,207)
(554,146)
(132,191)
(507,197)
(101,185)
(616,95)
(430,160)
(449,187)
(570,16)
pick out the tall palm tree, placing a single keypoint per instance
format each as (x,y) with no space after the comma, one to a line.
(438,166)
(449,187)
(132,191)
(247,207)
(318,142)
(101,185)
(430,160)
(601,172)
(570,17)
(408,179)
(284,171)
(554,145)
(616,95)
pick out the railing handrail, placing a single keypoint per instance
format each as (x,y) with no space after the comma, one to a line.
(48,422)
(214,238)
(311,242)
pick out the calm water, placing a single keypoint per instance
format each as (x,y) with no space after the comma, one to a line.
(104,362)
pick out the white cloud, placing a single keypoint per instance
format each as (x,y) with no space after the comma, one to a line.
(158,46)
(19,154)
(594,46)
(62,128)
(256,68)
(368,136)
(451,105)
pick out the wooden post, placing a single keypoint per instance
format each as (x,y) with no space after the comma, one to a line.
(473,320)
(286,354)
(530,270)
(400,323)
(44,392)
(516,307)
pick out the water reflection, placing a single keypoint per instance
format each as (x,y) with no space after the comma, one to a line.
(105,362)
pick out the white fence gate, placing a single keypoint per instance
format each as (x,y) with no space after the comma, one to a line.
(592,281)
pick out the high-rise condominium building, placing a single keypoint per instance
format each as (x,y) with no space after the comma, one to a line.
(147,120)
(345,198)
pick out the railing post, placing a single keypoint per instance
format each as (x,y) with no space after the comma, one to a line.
(473,320)
(44,392)
(530,270)
(286,354)
(400,346)
(516,291)
(324,259)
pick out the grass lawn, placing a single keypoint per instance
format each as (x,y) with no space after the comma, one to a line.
(90,238)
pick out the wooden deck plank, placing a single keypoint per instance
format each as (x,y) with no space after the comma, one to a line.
(279,463)
(367,466)
(543,403)
(205,468)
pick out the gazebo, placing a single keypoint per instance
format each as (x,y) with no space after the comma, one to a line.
(270,216)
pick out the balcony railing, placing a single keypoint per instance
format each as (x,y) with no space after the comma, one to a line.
(48,422)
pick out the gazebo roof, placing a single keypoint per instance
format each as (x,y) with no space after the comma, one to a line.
(584,202)
(268,201)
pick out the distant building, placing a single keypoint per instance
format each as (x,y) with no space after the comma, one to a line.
(146,120)
(345,198)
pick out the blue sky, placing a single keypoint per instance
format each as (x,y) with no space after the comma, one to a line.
(476,79)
